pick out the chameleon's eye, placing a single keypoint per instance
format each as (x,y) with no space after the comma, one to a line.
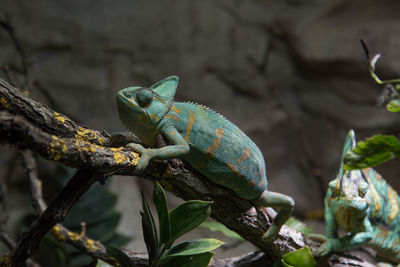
(362,188)
(334,188)
(144,97)
(333,184)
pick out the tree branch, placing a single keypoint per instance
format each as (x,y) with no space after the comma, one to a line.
(26,123)
(82,242)
(55,213)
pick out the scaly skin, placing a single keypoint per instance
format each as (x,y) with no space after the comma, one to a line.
(364,205)
(203,138)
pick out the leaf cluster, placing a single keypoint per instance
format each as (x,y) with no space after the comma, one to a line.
(173,224)
(379,148)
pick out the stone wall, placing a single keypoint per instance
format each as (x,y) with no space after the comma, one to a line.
(291,74)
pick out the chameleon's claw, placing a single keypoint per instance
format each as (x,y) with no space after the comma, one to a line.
(145,156)
(271,233)
(323,251)
(136,147)
(143,162)
(329,246)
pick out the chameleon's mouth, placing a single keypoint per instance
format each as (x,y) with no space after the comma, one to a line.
(123,96)
(349,217)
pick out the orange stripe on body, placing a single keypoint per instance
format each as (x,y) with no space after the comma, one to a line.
(189,125)
(177,110)
(244,156)
(171,117)
(375,196)
(394,205)
(234,168)
(216,143)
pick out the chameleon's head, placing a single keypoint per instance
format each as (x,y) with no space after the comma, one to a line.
(141,107)
(349,194)
(349,198)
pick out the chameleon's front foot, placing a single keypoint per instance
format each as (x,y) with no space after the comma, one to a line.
(329,246)
(145,156)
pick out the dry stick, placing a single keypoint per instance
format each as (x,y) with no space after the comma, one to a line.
(80,241)
(25,62)
(55,213)
(26,65)
(27,130)
(7,238)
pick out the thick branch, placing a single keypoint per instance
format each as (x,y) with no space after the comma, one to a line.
(16,102)
(18,131)
(36,123)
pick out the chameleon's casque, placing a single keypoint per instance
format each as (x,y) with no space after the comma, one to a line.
(364,205)
(203,138)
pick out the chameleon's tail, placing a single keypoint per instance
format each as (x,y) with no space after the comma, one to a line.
(276,200)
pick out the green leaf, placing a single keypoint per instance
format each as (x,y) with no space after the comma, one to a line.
(118,240)
(219,227)
(191,247)
(393,106)
(160,202)
(149,230)
(94,207)
(282,263)
(373,151)
(188,216)
(299,226)
(105,228)
(101,263)
(299,258)
(120,256)
(198,260)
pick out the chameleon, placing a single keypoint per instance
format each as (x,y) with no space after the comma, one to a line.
(204,139)
(365,206)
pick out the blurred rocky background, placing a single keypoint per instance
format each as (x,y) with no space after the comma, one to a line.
(291,74)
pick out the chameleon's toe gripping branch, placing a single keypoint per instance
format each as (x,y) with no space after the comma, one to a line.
(276,200)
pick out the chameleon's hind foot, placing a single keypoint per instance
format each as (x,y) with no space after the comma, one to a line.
(286,205)
(271,233)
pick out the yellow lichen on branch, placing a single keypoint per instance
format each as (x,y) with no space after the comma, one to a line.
(5,261)
(4,103)
(121,158)
(90,244)
(86,146)
(75,237)
(89,136)
(59,117)
(57,148)
(56,231)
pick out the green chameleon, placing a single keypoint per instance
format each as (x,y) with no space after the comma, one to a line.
(361,203)
(203,138)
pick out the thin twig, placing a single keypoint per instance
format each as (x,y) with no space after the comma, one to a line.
(89,246)
(55,213)
(7,238)
(25,61)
